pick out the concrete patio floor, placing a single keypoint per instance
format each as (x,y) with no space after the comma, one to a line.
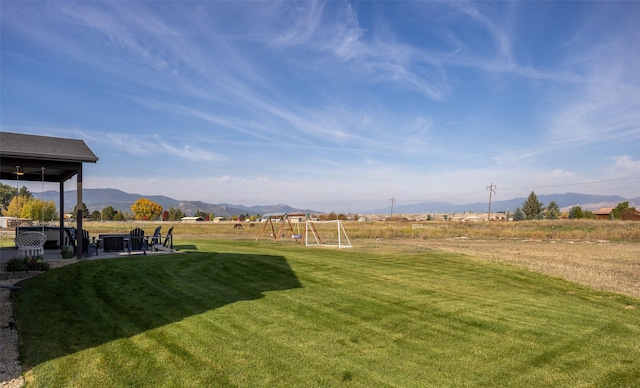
(54,257)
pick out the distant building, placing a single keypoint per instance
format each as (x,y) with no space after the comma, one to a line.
(192,219)
(604,213)
(12,222)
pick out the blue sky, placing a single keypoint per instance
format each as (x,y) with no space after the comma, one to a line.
(333,105)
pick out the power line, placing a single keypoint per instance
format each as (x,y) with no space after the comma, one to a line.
(529,187)
(578,184)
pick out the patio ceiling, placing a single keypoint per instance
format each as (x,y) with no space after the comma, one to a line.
(61,158)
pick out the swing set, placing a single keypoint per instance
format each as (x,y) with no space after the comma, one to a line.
(309,236)
(285,224)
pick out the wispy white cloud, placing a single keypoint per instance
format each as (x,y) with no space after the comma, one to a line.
(502,36)
(296,23)
(605,108)
(626,162)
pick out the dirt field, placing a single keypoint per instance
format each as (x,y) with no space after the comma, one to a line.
(600,264)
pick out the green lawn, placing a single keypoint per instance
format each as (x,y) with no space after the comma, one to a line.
(237,313)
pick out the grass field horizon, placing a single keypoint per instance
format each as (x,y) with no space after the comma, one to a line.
(229,311)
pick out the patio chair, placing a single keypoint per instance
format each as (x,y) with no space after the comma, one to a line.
(155,239)
(86,246)
(137,242)
(70,239)
(167,245)
(31,243)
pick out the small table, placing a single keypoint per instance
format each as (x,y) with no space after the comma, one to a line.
(113,242)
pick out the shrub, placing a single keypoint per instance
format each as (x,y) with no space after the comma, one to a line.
(29,263)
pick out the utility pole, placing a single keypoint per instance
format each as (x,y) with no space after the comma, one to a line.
(393,202)
(491,188)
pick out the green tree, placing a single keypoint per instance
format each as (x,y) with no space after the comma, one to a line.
(108,213)
(85,211)
(96,215)
(145,209)
(532,208)
(576,213)
(553,211)
(24,192)
(623,212)
(7,192)
(518,215)
(119,216)
(619,209)
(175,214)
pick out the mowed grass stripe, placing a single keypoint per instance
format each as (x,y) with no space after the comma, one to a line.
(524,308)
(246,314)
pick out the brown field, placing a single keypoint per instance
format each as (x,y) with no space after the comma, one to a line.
(604,255)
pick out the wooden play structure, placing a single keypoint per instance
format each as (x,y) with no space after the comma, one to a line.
(285,228)
(306,232)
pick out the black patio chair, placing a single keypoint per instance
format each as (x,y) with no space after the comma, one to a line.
(136,240)
(167,245)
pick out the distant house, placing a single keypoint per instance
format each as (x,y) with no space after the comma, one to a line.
(192,219)
(604,213)
(12,222)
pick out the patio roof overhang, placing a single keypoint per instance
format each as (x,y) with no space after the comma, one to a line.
(44,158)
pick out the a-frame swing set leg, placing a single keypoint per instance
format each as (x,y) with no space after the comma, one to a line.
(285,222)
(273,231)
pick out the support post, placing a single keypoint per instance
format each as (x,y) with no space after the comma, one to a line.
(62,233)
(79,236)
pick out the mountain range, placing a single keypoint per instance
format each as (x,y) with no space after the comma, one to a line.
(98,199)
(565,202)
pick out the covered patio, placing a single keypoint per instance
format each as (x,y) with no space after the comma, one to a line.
(48,159)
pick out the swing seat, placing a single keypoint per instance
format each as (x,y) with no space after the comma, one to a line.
(296,236)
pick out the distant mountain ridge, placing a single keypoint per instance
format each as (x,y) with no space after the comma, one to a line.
(98,199)
(564,201)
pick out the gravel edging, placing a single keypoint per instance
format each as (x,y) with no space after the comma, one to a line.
(10,368)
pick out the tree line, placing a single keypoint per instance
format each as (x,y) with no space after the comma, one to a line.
(142,210)
(21,203)
(533,209)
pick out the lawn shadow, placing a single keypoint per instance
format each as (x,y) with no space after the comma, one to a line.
(84,305)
